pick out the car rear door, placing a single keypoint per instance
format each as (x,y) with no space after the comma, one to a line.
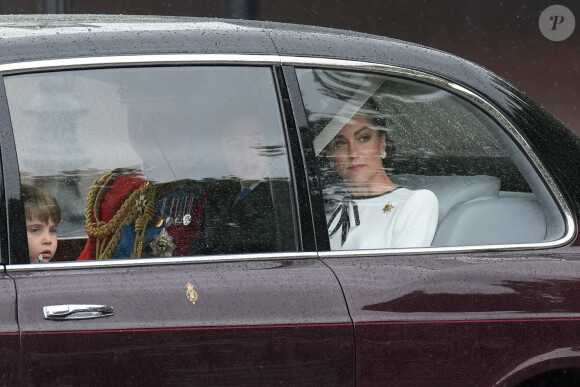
(493,299)
(229,291)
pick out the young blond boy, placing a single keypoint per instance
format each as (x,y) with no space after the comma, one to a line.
(42,217)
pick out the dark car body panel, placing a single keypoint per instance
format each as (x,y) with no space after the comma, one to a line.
(9,332)
(285,318)
(455,318)
(475,317)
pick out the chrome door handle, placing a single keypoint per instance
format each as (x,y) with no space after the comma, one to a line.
(76,312)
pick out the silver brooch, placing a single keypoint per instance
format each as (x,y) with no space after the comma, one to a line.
(162,244)
(141,203)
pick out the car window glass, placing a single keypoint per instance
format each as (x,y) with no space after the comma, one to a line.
(404,164)
(159,161)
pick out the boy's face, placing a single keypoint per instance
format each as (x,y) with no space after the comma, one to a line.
(41,239)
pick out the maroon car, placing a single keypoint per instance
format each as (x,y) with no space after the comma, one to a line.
(212,231)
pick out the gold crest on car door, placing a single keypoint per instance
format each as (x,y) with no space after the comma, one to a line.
(191,293)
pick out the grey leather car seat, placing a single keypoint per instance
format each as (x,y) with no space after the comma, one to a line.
(473,211)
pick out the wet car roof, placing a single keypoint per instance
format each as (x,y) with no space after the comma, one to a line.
(38,37)
(31,38)
(34,37)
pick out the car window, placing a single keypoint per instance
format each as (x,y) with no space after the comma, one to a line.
(157,161)
(404,164)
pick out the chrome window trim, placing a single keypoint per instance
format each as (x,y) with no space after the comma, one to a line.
(247,59)
(161,261)
(141,60)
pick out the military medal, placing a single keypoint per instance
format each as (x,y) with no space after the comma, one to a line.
(169,219)
(161,218)
(162,244)
(141,203)
(178,219)
(187,216)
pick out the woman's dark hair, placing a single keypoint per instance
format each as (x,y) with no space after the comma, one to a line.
(372,110)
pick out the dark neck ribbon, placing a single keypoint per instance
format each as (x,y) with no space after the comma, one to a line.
(344,220)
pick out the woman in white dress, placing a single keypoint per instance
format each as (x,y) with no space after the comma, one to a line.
(375,213)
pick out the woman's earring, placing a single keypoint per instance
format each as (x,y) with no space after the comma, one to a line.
(384,155)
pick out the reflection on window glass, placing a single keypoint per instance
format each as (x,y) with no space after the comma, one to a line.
(405,165)
(157,162)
